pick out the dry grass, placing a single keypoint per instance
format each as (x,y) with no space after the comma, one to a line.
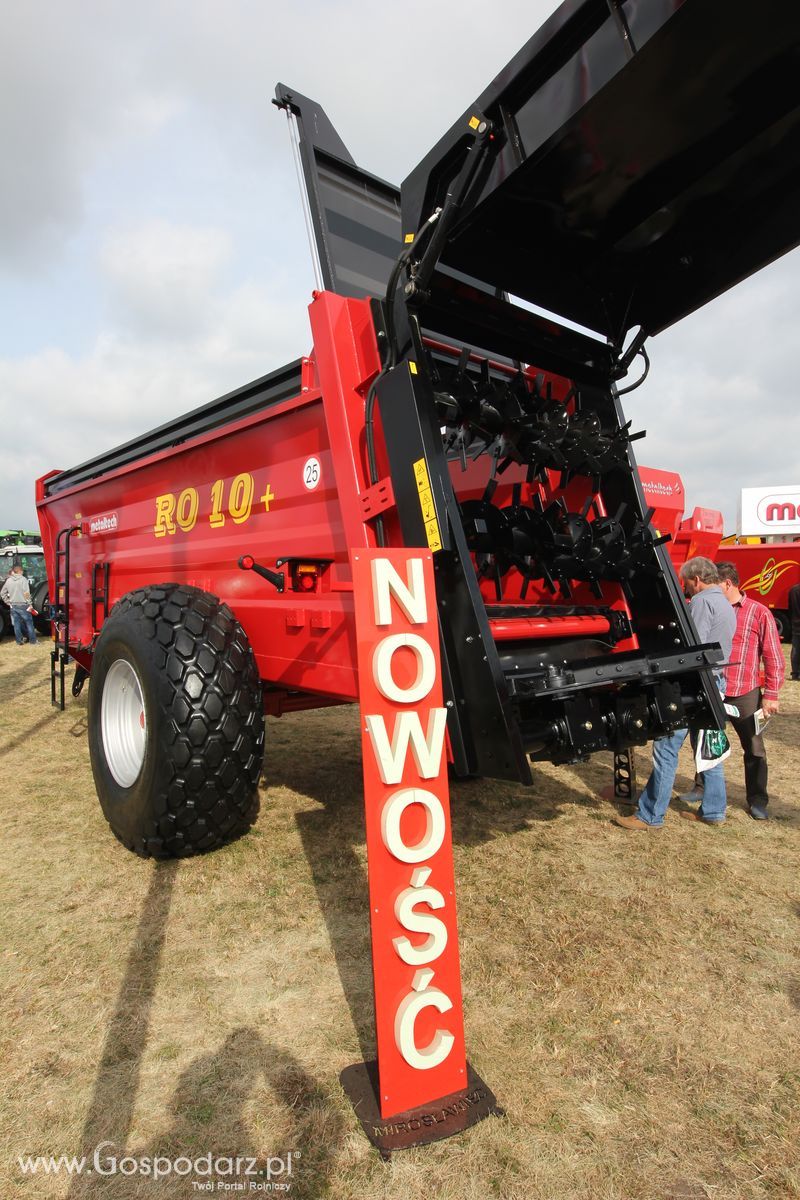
(632,1000)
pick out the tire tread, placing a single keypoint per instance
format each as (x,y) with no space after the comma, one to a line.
(211,733)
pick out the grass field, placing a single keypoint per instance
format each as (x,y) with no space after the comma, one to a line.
(632,1000)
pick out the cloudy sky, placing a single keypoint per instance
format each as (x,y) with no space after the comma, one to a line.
(152,248)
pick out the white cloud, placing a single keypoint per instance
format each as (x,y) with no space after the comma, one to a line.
(59,102)
(145,114)
(163,278)
(721,401)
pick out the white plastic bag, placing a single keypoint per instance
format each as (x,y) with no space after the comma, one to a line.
(712,747)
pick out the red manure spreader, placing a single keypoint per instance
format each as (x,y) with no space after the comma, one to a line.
(473,332)
(437,513)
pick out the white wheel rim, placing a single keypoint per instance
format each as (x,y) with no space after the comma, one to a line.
(123,722)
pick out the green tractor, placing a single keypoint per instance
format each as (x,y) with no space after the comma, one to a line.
(19,537)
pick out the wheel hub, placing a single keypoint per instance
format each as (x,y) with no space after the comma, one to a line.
(123,723)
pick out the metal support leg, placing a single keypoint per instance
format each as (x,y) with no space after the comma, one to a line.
(625,775)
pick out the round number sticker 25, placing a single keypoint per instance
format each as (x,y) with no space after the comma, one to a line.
(312,473)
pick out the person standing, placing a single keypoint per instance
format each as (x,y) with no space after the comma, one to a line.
(794,617)
(715,621)
(17,594)
(756,640)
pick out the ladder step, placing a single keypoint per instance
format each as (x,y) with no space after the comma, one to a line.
(59,656)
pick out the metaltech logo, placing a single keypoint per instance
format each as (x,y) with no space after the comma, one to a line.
(654,487)
(106,523)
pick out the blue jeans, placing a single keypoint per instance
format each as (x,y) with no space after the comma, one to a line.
(654,800)
(22,621)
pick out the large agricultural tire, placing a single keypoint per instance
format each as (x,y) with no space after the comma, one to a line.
(784,624)
(176,724)
(41,602)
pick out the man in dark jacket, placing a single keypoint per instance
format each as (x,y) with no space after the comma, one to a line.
(794,615)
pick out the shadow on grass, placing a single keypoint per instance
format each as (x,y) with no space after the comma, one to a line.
(16,693)
(482,809)
(333,836)
(110,1114)
(208,1108)
(208,1105)
(23,669)
(210,1131)
(29,733)
(329,835)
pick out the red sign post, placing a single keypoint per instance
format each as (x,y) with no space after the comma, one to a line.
(425,1089)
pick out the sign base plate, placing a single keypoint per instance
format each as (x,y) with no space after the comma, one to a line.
(429,1123)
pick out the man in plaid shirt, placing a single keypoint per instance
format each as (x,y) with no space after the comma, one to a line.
(756,639)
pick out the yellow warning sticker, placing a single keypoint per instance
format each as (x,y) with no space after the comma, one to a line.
(427,506)
(432,534)
(408,238)
(412,366)
(474,122)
